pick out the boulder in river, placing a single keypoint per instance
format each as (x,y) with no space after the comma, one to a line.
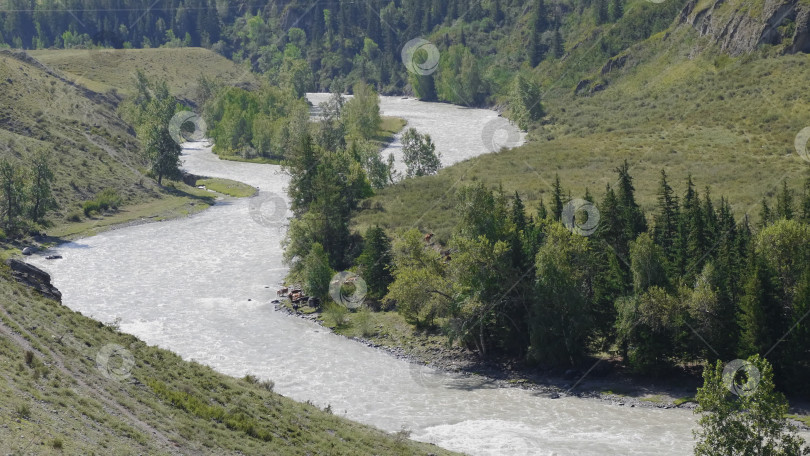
(30,250)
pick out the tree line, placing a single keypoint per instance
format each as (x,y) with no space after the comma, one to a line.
(26,194)
(684,284)
(332,46)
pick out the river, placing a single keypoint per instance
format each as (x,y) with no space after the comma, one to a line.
(202,286)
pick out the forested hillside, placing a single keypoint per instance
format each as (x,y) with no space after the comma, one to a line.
(334,45)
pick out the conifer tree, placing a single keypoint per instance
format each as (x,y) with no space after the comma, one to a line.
(784,202)
(538,26)
(557,199)
(666,220)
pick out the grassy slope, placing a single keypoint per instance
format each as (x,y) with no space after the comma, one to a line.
(62,399)
(731,123)
(92,149)
(102,70)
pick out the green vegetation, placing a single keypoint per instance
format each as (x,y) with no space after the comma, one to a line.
(263,124)
(161,405)
(111,70)
(179,200)
(227,187)
(683,400)
(419,154)
(741,413)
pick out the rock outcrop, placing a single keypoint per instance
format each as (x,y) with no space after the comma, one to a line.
(35,278)
(740,26)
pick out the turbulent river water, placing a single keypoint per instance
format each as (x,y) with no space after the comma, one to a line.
(202,287)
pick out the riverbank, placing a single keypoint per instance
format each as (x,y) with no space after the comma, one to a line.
(76,386)
(603,379)
(179,201)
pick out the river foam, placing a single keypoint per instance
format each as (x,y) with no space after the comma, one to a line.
(202,286)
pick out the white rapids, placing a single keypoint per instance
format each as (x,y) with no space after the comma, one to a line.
(202,286)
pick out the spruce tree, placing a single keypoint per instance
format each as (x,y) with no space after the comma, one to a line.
(557,199)
(805,215)
(765,214)
(616,10)
(538,26)
(710,217)
(542,212)
(557,45)
(375,264)
(784,202)
(758,314)
(692,232)
(666,219)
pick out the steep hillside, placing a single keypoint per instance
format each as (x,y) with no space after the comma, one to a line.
(739,27)
(72,385)
(91,147)
(674,102)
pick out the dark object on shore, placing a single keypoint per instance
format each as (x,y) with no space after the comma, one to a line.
(313,302)
(35,278)
(297,296)
(53,257)
(275,301)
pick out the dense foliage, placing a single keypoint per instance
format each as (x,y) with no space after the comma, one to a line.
(331,46)
(742,414)
(684,284)
(26,196)
(152,110)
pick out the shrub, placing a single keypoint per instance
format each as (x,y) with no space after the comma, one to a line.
(108,199)
(22,411)
(56,444)
(335,314)
(75,216)
(89,207)
(29,358)
(362,322)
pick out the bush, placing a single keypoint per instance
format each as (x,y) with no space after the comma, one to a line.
(89,207)
(335,314)
(362,322)
(22,411)
(75,216)
(108,199)
(268,385)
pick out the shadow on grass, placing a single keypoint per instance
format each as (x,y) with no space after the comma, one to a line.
(173,191)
